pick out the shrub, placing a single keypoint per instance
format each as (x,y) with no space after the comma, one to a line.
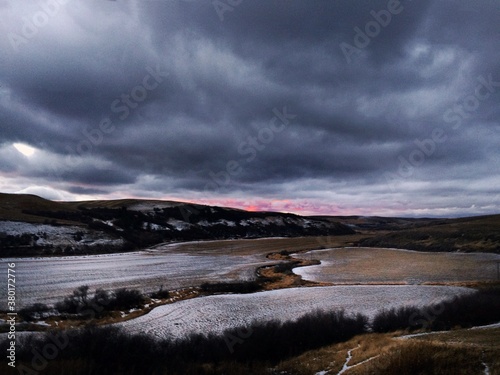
(126,299)
(479,308)
(234,287)
(161,293)
(102,301)
(395,319)
(33,312)
(75,302)
(109,350)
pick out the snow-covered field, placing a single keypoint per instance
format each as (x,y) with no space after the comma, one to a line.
(58,235)
(375,265)
(48,280)
(214,314)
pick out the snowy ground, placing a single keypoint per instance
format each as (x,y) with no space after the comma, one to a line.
(214,314)
(48,280)
(58,235)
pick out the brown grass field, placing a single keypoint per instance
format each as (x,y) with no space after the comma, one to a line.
(265,246)
(448,353)
(382,266)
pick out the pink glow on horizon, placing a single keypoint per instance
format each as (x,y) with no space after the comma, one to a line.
(300,207)
(305,207)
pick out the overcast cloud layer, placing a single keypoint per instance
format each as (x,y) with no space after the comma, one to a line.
(315,107)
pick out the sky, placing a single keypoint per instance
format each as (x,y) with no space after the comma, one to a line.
(328,107)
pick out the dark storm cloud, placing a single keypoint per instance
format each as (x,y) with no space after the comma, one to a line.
(176,98)
(85,191)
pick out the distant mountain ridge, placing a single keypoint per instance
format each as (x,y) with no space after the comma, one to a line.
(32,225)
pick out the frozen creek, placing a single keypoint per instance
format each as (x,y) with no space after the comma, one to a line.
(49,280)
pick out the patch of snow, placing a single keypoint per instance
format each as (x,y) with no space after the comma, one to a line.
(111,224)
(494,325)
(214,314)
(418,334)
(178,224)
(60,235)
(347,360)
(486,368)
(153,226)
(277,220)
(225,222)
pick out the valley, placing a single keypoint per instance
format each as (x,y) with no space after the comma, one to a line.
(218,288)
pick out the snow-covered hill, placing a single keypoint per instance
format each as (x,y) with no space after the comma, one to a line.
(32,225)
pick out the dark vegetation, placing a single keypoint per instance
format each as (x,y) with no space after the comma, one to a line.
(466,234)
(108,350)
(80,304)
(231,287)
(245,350)
(479,308)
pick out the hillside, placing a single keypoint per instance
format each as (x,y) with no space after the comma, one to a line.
(33,225)
(481,233)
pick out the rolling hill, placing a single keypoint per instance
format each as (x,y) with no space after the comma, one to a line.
(33,225)
(480,233)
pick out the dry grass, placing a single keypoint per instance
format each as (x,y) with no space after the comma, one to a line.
(264,246)
(333,357)
(12,206)
(485,338)
(450,353)
(486,341)
(373,265)
(478,234)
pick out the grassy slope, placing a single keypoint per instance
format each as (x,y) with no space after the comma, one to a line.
(480,234)
(13,205)
(457,352)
